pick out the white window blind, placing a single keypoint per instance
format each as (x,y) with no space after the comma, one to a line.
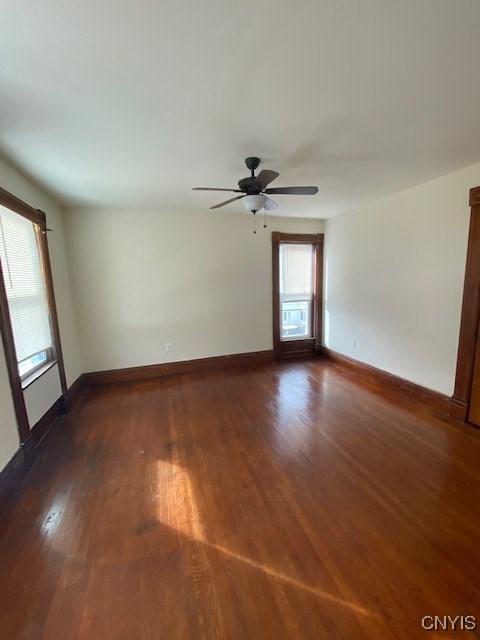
(296,271)
(296,293)
(24,285)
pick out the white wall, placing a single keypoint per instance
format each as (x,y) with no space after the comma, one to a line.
(394,280)
(8,425)
(201,282)
(38,396)
(14,182)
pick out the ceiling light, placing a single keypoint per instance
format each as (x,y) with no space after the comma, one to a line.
(254,203)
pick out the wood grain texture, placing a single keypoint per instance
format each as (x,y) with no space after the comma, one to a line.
(38,217)
(75,391)
(41,428)
(274,502)
(42,240)
(470,305)
(474,404)
(474,199)
(13,203)
(24,457)
(380,380)
(148,372)
(318,292)
(8,343)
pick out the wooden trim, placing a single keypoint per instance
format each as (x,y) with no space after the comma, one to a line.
(459,408)
(74,391)
(13,203)
(294,348)
(148,372)
(37,373)
(11,475)
(470,305)
(23,458)
(43,426)
(11,361)
(276,292)
(474,198)
(318,295)
(25,454)
(52,307)
(297,238)
(433,399)
(37,217)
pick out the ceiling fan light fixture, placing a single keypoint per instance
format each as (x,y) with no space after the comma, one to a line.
(254,203)
(255,190)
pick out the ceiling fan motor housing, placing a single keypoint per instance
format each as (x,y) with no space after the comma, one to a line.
(250,186)
(255,191)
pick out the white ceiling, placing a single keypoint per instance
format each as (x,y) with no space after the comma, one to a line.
(131,103)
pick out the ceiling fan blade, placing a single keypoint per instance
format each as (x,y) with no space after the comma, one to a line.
(214,189)
(265,177)
(270,205)
(294,191)
(221,204)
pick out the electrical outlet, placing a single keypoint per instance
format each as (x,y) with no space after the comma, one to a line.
(168,346)
(354,344)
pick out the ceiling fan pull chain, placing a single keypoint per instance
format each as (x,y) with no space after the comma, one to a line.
(264,219)
(254,226)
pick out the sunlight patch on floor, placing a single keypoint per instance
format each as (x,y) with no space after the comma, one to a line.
(176,504)
(177,509)
(294,582)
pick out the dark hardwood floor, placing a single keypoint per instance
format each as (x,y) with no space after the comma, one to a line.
(282,501)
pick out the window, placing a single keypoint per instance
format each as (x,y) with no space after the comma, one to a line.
(297,292)
(25,291)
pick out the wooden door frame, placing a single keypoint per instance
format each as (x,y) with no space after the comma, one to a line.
(470,308)
(307,345)
(38,218)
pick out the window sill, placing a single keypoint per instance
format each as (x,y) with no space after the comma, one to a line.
(297,339)
(26,382)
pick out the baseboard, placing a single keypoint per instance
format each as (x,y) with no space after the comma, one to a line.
(295,348)
(433,399)
(459,407)
(131,374)
(43,426)
(74,391)
(23,458)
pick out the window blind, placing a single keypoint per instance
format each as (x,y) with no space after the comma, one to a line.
(24,285)
(296,271)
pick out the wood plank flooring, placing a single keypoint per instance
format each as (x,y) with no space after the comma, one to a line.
(281,501)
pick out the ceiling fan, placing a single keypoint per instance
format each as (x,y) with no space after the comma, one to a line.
(254,190)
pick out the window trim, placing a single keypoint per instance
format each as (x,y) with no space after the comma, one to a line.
(41,365)
(37,373)
(298,346)
(38,218)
